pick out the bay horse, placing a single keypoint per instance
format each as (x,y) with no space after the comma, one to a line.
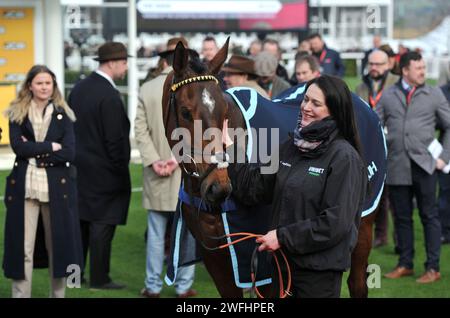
(191,92)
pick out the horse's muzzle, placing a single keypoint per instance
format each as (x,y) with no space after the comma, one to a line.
(216,193)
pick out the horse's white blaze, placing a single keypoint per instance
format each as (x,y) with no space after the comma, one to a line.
(208,101)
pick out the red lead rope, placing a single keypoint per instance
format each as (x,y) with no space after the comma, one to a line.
(283,293)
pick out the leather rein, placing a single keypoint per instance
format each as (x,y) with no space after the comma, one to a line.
(219,160)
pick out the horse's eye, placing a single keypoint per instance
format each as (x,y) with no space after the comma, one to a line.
(186,114)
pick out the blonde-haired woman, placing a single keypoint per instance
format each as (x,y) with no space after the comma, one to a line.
(41,189)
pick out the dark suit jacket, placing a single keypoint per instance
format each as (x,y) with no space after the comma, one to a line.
(102,151)
(331,63)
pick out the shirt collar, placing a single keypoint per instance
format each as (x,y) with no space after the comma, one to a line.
(406,86)
(106,76)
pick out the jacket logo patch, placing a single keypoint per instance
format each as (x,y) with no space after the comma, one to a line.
(315,171)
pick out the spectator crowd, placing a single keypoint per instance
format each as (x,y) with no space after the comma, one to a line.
(91,132)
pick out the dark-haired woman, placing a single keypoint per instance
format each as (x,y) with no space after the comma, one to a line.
(317,193)
(41,186)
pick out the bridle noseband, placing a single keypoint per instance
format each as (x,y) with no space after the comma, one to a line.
(219,160)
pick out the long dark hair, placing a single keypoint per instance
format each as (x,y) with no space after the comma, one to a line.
(339,101)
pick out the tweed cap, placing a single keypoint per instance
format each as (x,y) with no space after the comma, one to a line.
(265,64)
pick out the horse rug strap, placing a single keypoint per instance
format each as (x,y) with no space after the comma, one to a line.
(235,218)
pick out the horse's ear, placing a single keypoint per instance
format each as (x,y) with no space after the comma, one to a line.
(216,63)
(180,58)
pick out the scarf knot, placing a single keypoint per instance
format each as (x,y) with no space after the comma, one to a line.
(36,182)
(313,139)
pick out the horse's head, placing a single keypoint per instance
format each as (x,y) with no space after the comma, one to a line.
(194,108)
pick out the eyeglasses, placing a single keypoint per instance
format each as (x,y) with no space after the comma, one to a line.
(376,64)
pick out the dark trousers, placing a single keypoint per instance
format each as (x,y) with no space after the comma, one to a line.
(444,204)
(401,200)
(316,284)
(97,239)
(310,283)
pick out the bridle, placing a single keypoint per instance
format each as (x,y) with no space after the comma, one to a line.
(219,160)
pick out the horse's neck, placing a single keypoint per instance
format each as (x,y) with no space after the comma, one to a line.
(234,115)
(236,120)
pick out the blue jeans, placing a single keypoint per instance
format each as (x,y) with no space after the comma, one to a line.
(157,222)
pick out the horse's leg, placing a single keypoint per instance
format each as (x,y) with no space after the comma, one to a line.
(218,264)
(358,272)
(204,227)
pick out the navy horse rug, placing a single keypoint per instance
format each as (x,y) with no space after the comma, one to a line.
(275,119)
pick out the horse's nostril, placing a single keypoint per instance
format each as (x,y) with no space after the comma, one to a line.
(214,189)
(217,193)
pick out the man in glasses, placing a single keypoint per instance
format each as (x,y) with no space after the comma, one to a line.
(377,79)
(371,89)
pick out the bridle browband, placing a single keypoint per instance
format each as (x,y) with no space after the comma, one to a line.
(201,78)
(219,160)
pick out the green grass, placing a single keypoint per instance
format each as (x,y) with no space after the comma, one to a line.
(354,81)
(128,263)
(407,287)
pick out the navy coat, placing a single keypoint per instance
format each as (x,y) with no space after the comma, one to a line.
(331,64)
(61,174)
(103,151)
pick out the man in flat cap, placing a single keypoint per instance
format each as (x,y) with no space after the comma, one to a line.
(102,156)
(266,67)
(161,178)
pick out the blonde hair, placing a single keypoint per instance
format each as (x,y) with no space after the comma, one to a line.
(18,108)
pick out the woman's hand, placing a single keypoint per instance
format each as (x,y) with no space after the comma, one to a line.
(56,146)
(269,242)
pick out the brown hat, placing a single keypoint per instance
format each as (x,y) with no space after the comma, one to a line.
(112,51)
(171,44)
(240,64)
